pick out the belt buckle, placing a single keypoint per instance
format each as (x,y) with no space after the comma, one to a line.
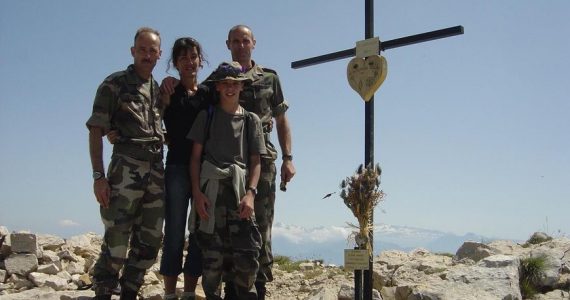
(154,148)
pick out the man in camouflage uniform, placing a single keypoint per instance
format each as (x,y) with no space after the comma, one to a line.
(131,196)
(265,98)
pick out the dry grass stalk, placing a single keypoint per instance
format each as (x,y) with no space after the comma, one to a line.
(361,193)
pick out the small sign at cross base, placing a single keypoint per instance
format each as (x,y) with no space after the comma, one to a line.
(355,259)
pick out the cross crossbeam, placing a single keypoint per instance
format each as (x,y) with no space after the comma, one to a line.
(395,43)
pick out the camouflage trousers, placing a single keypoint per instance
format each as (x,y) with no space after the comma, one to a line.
(133,220)
(264,213)
(232,250)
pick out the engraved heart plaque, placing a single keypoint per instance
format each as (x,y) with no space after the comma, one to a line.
(366,75)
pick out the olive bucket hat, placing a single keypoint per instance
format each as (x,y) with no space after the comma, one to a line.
(229,71)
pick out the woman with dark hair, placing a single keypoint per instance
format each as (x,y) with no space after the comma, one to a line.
(182,106)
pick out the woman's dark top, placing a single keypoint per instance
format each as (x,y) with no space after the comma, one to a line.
(178,119)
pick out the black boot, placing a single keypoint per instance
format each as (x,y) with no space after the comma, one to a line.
(261,291)
(128,294)
(102,297)
(230,291)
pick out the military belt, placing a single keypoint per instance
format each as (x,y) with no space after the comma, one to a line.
(139,151)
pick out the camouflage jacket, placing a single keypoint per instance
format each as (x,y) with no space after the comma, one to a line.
(126,103)
(264,97)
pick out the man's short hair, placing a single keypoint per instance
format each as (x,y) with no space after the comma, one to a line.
(238,27)
(144,30)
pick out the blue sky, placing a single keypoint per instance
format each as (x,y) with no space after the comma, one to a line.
(471,131)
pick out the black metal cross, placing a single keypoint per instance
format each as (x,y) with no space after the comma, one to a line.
(369,109)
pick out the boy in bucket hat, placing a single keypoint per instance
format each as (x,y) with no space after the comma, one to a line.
(225,169)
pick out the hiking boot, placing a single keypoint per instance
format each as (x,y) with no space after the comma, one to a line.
(230,291)
(102,297)
(128,294)
(170,297)
(185,296)
(261,290)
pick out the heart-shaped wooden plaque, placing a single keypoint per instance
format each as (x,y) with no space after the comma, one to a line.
(366,75)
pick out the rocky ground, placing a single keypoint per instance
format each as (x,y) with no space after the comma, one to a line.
(49,267)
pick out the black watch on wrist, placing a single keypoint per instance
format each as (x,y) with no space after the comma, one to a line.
(287,157)
(98,175)
(252,189)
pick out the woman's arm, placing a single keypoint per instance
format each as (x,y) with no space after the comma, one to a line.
(202,201)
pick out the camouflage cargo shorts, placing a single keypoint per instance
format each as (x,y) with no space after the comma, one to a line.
(264,214)
(133,220)
(232,249)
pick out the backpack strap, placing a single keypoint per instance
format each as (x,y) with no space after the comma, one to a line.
(209,118)
(246,126)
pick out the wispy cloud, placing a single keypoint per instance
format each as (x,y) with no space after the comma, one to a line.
(297,234)
(67,223)
(405,236)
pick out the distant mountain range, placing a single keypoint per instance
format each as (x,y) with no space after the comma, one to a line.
(328,243)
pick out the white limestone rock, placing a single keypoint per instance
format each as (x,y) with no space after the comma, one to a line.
(538,238)
(323,294)
(86,245)
(81,280)
(388,293)
(53,281)
(75,267)
(507,248)
(553,295)
(21,264)
(50,257)
(3,275)
(4,231)
(5,248)
(152,292)
(67,255)
(307,266)
(50,269)
(65,275)
(4,287)
(20,282)
(346,292)
(50,242)
(47,293)
(422,275)
(497,275)
(473,250)
(151,278)
(24,243)
(38,279)
(393,259)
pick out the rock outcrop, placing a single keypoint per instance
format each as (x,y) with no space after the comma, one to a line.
(477,271)
(49,267)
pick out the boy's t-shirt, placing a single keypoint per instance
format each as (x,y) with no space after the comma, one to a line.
(225,145)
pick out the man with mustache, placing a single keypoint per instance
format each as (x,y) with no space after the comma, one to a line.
(131,195)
